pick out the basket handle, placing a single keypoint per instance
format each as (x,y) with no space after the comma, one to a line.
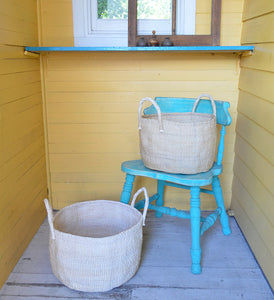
(157,109)
(50,217)
(210,98)
(143,189)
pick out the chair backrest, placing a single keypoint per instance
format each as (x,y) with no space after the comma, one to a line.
(181,105)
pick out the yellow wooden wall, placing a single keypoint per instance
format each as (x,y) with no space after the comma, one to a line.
(22,155)
(253,185)
(91,102)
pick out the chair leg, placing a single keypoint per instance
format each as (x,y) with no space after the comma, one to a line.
(217,190)
(128,185)
(195,215)
(160,200)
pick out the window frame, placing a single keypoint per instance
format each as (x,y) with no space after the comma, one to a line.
(212,39)
(94,32)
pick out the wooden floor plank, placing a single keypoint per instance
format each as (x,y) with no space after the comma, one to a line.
(229,270)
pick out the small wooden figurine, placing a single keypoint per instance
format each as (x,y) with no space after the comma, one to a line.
(153,42)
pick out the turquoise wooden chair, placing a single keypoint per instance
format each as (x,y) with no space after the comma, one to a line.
(194,182)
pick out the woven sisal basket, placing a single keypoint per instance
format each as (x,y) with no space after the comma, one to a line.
(178,142)
(95,246)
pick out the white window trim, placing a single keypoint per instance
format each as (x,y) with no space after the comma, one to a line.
(91,32)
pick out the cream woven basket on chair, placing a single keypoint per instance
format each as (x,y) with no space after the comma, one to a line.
(178,142)
(95,246)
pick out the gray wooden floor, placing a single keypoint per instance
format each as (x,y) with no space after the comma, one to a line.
(229,270)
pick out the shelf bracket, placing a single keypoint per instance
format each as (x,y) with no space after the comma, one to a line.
(31,54)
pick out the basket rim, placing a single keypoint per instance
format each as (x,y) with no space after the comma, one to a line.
(94,202)
(207,118)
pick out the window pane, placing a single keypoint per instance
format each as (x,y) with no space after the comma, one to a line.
(154,15)
(112,9)
(154,9)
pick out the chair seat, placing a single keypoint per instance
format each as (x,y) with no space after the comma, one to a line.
(136,167)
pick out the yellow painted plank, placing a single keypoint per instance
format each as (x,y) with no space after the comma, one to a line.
(231,37)
(12,80)
(94,107)
(60,20)
(56,31)
(260,167)
(20,161)
(232,6)
(99,61)
(263,226)
(18,23)
(231,18)
(254,9)
(9,66)
(21,125)
(23,10)
(7,52)
(261,59)
(80,118)
(9,95)
(144,86)
(21,105)
(135,96)
(31,183)
(58,131)
(121,143)
(58,36)
(108,76)
(258,83)
(248,226)
(17,241)
(259,30)
(88,177)
(260,139)
(203,6)
(23,121)
(14,146)
(18,39)
(257,109)
(230,24)
(259,194)
(98,162)
(203,23)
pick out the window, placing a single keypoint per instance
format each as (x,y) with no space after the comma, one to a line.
(120,23)
(178,37)
(94,26)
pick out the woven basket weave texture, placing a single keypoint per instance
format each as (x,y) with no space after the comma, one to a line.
(178,142)
(95,246)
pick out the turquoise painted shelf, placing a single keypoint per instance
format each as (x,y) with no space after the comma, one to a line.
(211,49)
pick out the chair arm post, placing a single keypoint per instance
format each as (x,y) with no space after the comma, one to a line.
(221,146)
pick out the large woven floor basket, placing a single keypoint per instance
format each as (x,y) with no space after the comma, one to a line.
(95,246)
(178,142)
